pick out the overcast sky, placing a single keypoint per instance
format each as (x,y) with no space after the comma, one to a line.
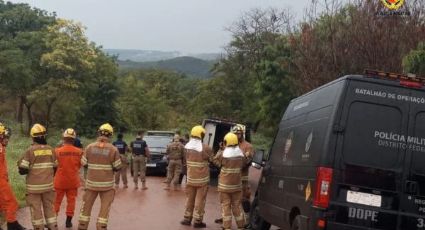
(167,25)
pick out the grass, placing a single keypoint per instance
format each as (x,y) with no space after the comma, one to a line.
(18,144)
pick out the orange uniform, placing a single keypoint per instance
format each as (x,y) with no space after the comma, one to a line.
(67,178)
(8,203)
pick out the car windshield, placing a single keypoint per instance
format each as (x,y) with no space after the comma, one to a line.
(157,141)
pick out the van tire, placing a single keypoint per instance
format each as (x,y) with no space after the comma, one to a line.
(256,221)
(296,224)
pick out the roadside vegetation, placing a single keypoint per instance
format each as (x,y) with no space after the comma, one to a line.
(52,74)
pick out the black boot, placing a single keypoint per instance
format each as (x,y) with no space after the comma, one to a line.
(68,222)
(15,226)
(199,225)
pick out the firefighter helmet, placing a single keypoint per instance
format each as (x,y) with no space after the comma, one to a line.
(70,133)
(106,130)
(230,139)
(38,130)
(197,131)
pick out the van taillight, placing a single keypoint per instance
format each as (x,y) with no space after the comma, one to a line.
(323,187)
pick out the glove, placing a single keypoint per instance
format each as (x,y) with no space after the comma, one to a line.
(23,171)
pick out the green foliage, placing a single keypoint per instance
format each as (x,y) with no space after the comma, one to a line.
(414,62)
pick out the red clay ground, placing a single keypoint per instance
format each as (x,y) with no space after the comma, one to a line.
(152,209)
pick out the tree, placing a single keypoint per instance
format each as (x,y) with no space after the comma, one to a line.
(414,62)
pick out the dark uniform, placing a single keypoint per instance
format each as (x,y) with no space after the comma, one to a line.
(138,149)
(122,173)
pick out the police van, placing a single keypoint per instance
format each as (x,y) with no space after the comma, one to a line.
(348,155)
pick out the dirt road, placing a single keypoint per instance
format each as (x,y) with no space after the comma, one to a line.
(152,209)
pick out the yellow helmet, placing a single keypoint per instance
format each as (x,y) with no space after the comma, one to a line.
(5,131)
(197,131)
(70,133)
(238,129)
(230,139)
(106,130)
(38,130)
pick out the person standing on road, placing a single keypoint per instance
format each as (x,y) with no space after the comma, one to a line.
(231,160)
(8,203)
(67,180)
(175,154)
(198,176)
(102,159)
(140,155)
(122,149)
(39,165)
(248,151)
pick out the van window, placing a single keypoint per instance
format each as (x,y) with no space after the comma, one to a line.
(362,146)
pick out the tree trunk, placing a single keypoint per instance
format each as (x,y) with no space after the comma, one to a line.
(28,106)
(20,116)
(49,112)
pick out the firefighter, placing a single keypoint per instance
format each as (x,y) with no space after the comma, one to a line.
(122,149)
(198,176)
(102,159)
(231,160)
(67,180)
(175,154)
(248,151)
(140,155)
(8,203)
(39,165)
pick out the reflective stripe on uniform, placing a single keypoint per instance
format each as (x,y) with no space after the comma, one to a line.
(197,216)
(39,187)
(245,178)
(229,187)
(198,181)
(24,164)
(84,218)
(101,220)
(83,160)
(227,218)
(196,164)
(52,220)
(117,163)
(99,167)
(240,217)
(37,222)
(231,170)
(99,184)
(43,165)
(43,152)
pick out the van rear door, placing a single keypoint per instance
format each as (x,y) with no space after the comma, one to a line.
(370,158)
(412,203)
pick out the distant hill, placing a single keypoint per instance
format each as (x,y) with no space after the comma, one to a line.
(188,65)
(154,55)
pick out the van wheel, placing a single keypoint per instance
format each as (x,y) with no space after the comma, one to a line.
(256,221)
(296,225)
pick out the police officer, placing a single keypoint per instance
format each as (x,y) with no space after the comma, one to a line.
(198,176)
(231,160)
(175,154)
(102,159)
(8,202)
(67,180)
(140,155)
(122,149)
(39,164)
